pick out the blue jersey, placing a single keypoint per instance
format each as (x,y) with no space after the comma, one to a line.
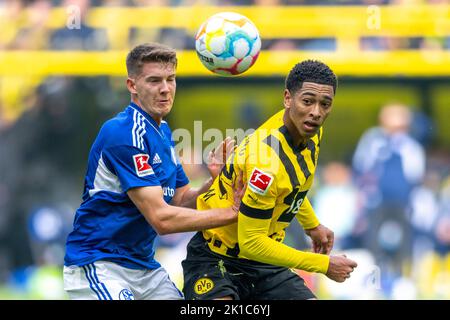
(130,151)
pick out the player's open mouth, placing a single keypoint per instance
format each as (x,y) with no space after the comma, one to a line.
(310,126)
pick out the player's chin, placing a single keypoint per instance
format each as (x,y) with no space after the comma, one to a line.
(164,109)
(310,133)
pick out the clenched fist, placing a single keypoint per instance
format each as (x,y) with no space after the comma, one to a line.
(340,268)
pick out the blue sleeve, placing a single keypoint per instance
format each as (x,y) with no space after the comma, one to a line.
(131,166)
(182,179)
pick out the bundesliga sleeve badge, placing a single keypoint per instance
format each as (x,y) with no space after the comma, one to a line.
(141,165)
(259,181)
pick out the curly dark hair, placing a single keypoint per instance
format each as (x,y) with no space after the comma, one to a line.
(310,71)
(149,52)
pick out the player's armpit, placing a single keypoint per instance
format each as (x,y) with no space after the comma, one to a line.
(306,215)
(180,195)
(254,244)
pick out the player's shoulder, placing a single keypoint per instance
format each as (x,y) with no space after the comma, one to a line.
(267,130)
(117,130)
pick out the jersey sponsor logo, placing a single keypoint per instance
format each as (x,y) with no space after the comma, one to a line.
(168,191)
(141,165)
(156,159)
(203,285)
(259,181)
(126,294)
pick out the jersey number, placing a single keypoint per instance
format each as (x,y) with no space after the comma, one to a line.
(294,200)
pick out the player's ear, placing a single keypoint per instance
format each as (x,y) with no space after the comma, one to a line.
(287,99)
(131,85)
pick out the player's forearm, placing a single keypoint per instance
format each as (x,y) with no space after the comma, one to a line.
(266,250)
(256,245)
(189,199)
(171,219)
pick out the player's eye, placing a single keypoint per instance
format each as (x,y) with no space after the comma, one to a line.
(307,101)
(326,104)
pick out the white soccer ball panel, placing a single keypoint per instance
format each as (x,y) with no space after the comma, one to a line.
(250,29)
(217,44)
(231,16)
(240,48)
(229,27)
(244,64)
(225,63)
(213,25)
(256,47)
(200,44)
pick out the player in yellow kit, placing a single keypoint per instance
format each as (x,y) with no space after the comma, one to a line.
(247,259)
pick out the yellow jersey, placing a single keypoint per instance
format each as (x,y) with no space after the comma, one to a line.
(278,176)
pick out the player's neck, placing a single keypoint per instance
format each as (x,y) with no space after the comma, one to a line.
(297,139)
(157,118)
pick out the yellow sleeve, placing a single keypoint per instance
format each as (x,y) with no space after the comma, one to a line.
(306,215)
(254,244)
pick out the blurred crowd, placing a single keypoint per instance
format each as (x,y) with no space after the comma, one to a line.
(393,201)
(25,26)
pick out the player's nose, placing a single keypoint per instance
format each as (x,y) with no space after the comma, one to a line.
(164,87)
(315,111)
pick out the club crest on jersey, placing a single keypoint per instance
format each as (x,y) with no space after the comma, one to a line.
(203,285)
(143,168)
(126,294)
(259,181)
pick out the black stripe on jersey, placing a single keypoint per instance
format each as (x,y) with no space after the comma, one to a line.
(270,141)
(319,136)
(290,141)
(255,213)
(297,151)
(312,147)
(303,165)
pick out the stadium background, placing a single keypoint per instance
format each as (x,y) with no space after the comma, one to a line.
(62,74)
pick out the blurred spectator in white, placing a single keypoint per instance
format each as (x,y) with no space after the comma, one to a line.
(424,214)
(76,34)
(335,203)
(388,158)
(388,164)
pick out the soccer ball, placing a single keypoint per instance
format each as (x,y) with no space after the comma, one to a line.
(228,43)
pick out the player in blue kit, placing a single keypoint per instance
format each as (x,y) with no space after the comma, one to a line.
(135,188)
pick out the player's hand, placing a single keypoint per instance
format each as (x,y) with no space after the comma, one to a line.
(322,239)
(238,192)
(218,157)
(340,268)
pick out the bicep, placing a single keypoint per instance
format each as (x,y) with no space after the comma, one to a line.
(148,200)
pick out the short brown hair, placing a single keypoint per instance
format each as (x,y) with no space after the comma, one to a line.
(149,52)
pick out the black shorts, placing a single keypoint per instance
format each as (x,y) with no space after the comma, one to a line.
(208,275)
